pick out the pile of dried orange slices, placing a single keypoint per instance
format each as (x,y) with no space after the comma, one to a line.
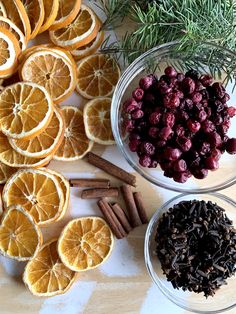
(36,128)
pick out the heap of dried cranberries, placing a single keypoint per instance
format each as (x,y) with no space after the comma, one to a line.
(179,122)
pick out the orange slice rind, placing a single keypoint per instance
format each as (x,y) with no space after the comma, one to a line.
(36,191)
(20,237)
(97,76)
(26,110)
(50,13)
(97,121)
(46,275)
(2,10)
(75,144)
(85,243)
(5,172)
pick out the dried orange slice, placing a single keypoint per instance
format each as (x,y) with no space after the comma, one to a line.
(46,275)
(97,121)
(52,71)
(44,144)
(36,191)
(50,13)
(85,243)
(9,52)
(5,172)
(75,144)
(26,110)
(80,32)
(35,12)
(20,237)
(16,13)
(8,24)
(97,76)
(2,10)
(65,186)
(90,48)
(68,10)
(12,158)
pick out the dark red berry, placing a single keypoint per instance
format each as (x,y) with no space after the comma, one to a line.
(130,105)
(133,145)
(146,82)
(165,133)
(147,148)
(179,130)
(219,106)
(214,139)
(211,163)
(134,136)
(145,161)
(154,118)
(200,173)
(168,119)
(166,165)
(170,72)
(225,126)
(153,132)
(181,177)
(184,143)
(208,126)
(188,85)
(193,74)
(179,94)
(196,97)
(194,126)
(201,115)
(195,163)
(160,143)
(182,116)
(171,100)
(153,164)
(204,148)
(218,89)
(225,98)
(231,111)
(137,114)
(129,125)
(180,77)
(198,86)
(163,87)
(206,80)
(138,94)
(179,165)
(149,98)
(172,153)
(216,154)
(231,146)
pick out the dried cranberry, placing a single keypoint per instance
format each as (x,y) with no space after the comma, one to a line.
(216,154)
(206,80)
(194,126)
(153,132)
(129,125)
(138,94)
(195,163)
(204,103)
(181,177)
(182,116)
(200,173)
(205,94)
(184,143)
(170,72)
(145,161)
(218,120)
(171,100)
(133,145)
(163,87)
(179,94)
(137,114)
(198,86)
(231,111)
(188,104)
(208,112)
(208,126)
(171,153)
(166,165)
(218,89)
(154,118)
(179,165)
(165,133)
(225,98)
(193,74)
(214,139)
(180,77)
(160,143)
(188,85)
(147,148)
(168,119)
(153,164)
(201,115)
(146,82)
(204,148)
(179,130)
(219,106)
(231,146)
(224,127)
(134,136)
(196,97)
(211,163)
(130,105)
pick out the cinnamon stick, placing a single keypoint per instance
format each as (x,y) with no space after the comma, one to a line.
(111,219)
(131,206)
(120,214)
(140,207)
(91,183)
(110,168)
(97,193)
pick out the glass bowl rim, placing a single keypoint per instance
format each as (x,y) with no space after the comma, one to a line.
(147,258)
(127,74)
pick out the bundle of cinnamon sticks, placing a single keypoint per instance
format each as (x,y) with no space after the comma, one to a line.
(120,221)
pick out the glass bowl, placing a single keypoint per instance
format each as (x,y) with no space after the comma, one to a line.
(162,56)
(224,298)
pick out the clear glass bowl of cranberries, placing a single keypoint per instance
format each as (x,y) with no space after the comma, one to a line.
(224,297)
(176,127)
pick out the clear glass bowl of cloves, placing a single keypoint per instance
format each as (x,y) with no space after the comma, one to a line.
(190,252)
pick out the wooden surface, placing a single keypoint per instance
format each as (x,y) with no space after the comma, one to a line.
(122,285)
